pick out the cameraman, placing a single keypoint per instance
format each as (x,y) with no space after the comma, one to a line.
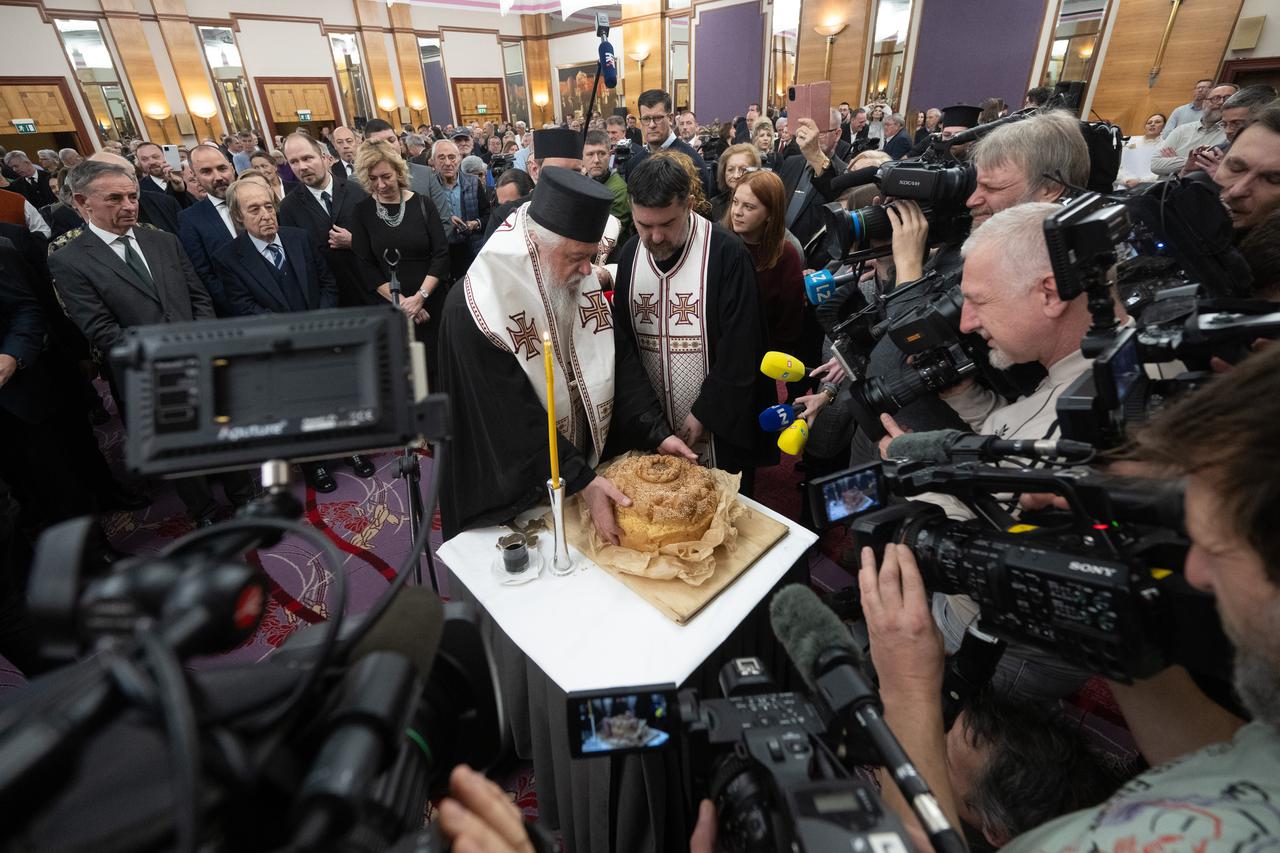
(595,164)
(1220,794)
(1012,163)
(1011,300)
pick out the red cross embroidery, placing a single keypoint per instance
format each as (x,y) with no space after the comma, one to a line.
(646,309)
(598,311)
(524,336)
(685,309)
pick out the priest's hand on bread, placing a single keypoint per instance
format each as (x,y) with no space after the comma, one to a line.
(673,446)
(600,495)
(692,430)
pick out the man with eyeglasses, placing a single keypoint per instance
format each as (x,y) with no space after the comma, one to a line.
(1238,112)
(1188,140)
(655,122)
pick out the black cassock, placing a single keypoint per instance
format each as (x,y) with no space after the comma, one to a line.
(499,462)
(734,391)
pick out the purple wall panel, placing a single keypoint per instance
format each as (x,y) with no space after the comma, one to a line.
(439,101)
(728,61)
(950,68)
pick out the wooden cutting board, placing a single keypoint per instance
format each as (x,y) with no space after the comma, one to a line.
(679,601)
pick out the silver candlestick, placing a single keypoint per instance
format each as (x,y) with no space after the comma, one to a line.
(560,564)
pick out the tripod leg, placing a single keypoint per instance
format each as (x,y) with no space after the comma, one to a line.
(411,471)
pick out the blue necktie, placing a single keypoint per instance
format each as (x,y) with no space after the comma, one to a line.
(277,256)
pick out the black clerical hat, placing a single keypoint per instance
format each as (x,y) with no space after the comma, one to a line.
(570,204)
(960,115)
(557,142)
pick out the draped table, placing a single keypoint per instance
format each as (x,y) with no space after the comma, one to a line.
(587,631)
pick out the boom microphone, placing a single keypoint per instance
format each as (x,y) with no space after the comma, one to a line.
(824,653)
(953,445)
(779,365)
(608,65)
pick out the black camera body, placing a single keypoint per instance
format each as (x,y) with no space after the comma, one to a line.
(940,188)
(622,151)
(760,754)
(500,163)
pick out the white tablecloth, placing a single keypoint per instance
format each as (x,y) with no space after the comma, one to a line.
(588,631)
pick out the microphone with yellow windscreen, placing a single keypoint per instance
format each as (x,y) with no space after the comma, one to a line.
(779,365)
(793,438)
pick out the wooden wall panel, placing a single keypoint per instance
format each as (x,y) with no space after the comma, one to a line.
(1196,47)
(650,33)
(377,65)
(537,70)
(409,63)
(44,103)
(187,58)
(848,55)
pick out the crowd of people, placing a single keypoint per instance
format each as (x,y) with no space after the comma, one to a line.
(663,258)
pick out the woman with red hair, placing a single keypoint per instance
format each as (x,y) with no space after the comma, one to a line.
(758,214)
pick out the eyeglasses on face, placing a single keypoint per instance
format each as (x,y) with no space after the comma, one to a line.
(652,119)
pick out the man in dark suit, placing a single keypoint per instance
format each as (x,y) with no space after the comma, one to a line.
(896,141)
(324,205)
(156,176)
(655,114)
(116,275)
(272,269)
(344,146)
(31,181)
(205,227)
(806,183)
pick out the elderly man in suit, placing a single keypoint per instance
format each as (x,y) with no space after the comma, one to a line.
(31,181)
(324,205)
(115,275)
(272,268)
(422,179)
(470,203)
(156,209)
(205,227)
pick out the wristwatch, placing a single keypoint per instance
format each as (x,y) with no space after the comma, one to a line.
(423,292)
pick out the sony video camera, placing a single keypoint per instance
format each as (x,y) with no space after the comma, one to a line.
(1099,586)
(760,754)
(500,163)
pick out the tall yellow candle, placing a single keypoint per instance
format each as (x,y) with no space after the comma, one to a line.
(551,410)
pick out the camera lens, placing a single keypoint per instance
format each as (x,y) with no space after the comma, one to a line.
(854,229)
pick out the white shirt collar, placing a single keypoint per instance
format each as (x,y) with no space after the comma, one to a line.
(261,245)
(160,182)
(327,188)
(110,238)
(671,137)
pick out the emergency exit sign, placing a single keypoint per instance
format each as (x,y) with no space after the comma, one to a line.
(24,125)
(304,115)
(482,108)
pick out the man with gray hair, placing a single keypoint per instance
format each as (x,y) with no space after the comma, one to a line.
(1022,162)
(70,157)
(31,182)
(49,160)
(1238,112)
(1011,301)
(896,141)
(1183,143)
(416,146)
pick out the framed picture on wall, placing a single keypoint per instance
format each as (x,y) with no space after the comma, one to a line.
(681,95)
(575,91)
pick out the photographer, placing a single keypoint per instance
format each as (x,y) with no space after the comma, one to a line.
(595,163)
(1219,794)
(1011,300)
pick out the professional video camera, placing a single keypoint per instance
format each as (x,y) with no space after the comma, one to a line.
(929,333)
(940,188)
(1186,287)
(337,741)
(764,757)
(500,163)
(712,147)
(622,152)
(1098,586)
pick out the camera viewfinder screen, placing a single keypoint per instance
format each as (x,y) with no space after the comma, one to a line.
(624,722)
(1125,368)
(854,493)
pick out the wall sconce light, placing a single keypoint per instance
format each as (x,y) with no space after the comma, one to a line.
(829,31)
(203,108)
(417,105)
(540,100)
(640,55)
(386,104)
(157,112)
(1086,51)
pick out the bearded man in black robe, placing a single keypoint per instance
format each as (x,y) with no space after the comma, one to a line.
(534,276)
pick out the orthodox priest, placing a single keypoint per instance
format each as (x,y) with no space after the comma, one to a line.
(534,275)
(687,303)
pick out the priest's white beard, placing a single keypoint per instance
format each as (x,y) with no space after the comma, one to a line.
(564,304)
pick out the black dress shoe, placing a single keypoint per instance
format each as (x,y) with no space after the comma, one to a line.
(319,478)
(362,466)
